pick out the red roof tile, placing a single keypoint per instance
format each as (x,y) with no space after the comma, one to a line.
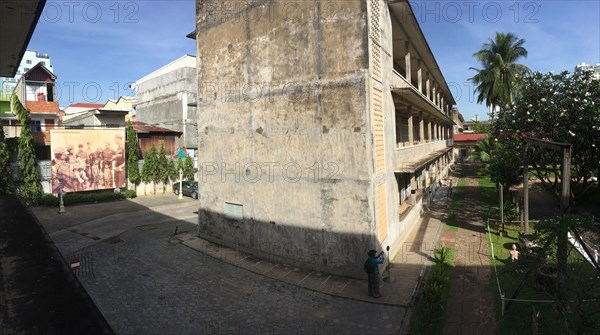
(468,137)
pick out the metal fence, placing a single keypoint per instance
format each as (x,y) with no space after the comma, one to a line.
(501,293)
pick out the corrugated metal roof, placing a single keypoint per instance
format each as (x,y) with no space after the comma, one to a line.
(141,127)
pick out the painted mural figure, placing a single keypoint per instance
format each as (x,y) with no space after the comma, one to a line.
(59,168)
(119,162)
(107,165)
(84,168)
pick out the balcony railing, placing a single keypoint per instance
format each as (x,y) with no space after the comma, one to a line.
(11,131)
(50,107)
(399,82)
(407,156)
(37,136)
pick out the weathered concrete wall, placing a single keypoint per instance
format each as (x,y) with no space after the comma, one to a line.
(284,131)
(164,100)
(396,229)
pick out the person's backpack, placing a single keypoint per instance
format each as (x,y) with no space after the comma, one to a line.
(368,266)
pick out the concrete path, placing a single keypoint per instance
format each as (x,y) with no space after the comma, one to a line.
(146,278)
(398,285)
(471,306)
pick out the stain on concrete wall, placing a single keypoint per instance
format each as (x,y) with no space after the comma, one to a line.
(284,130)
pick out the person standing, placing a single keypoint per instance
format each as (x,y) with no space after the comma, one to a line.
(372,269)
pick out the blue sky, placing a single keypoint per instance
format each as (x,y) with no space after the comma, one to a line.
(98,47)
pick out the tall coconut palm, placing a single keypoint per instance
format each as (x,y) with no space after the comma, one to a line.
(496,79)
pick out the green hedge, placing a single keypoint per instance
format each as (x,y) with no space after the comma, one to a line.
(86,197)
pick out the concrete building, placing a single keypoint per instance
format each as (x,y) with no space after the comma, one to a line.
(458,120)
(589,67)
(96,118)
(167,98)
(30,59)
(320,133)
(36,91)
(471,126)
(123,103)
(463,143)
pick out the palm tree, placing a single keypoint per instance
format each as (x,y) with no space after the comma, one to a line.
(496,79)
(482,150)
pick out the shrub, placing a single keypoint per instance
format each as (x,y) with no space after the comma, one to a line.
(87,197)
(49,200)
(433,292)
(129,194)
(441,255)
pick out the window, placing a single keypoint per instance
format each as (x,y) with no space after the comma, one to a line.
(26,69)
(28,61)
(36,125)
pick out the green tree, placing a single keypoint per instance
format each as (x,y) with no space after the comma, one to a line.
(30,189)
(505,164)
(481,128)
(499,68)
(172,171)
(149,170)
(133,170)
(188,169)
(180,166)
(482,150)
(162,173)
(6,185)
(563,108)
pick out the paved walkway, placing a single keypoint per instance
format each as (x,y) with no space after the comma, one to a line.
(84,226)
(471,306)
(406,268)
(93,231)
(145,281)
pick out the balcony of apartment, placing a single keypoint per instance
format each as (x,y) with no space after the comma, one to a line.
(416,78)
(42,106)
(408,93)
(39,135)
(11,130)
(411,158)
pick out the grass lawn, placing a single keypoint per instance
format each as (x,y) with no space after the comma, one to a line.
(513,276)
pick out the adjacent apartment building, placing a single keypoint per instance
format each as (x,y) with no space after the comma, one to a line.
(8,84)
(30,59)
(167,98)
(37,92)
(320,129)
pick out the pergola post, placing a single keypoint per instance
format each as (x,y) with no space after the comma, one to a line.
(526,191)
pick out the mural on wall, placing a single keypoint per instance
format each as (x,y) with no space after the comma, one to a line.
(88,159)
